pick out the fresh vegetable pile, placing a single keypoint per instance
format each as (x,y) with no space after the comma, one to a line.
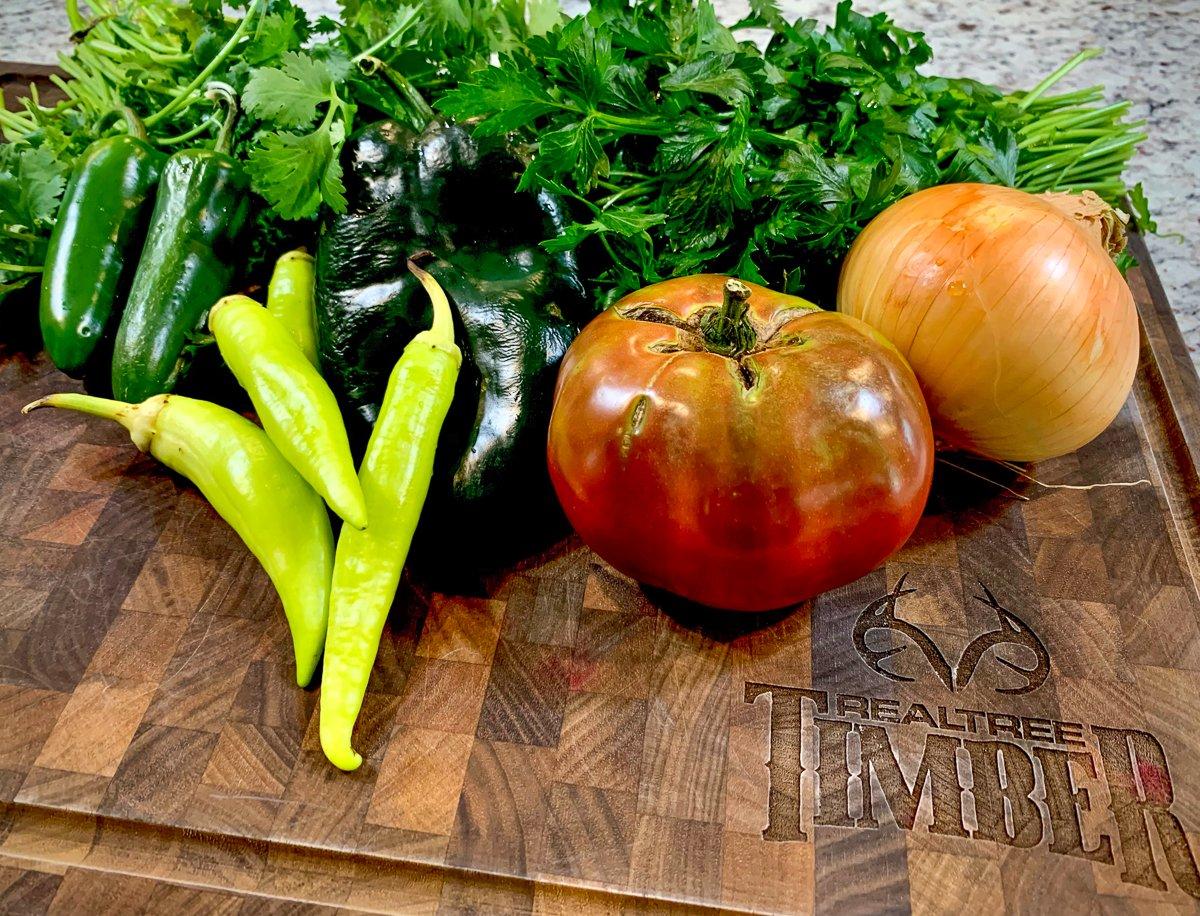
(473,175)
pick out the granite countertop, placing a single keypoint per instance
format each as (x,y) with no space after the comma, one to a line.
(1152,53)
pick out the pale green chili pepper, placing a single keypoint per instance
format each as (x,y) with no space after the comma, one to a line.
(291,298)
(252,486)
(395,478)
(296,407)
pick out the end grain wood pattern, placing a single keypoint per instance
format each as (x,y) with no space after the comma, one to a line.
(555,739)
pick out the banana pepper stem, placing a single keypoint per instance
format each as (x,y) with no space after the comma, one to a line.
(442,329)
(139,419)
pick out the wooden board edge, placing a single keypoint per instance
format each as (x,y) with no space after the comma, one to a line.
(1173,360)
(56,840)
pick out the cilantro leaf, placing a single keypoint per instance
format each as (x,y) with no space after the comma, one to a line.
(574,147)
(541,15)
(512,96)
(32,180)
(288,95)
(279,32)
(296,172)
(624,221)
(766,13)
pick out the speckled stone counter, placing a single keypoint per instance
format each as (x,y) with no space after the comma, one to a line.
(1153,59)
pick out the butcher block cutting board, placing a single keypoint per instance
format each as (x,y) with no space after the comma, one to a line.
(554,739)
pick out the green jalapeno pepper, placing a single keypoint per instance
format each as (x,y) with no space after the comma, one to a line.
(187,263)
(296,407)
(279,516)
(291,299)
(395,478)
(95,240)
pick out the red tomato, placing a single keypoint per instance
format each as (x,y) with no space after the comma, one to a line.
(746,458)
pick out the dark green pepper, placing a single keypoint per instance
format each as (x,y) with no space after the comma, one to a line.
(187,264)
(517,307)
(94,247)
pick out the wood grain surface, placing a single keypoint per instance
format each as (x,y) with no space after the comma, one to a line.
(555,739)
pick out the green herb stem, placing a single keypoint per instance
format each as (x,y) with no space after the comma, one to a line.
(18,234)
(19,268)
(1038,90)
(401,27)
(185,96)
(1077,118)
(203,127)
(74,17)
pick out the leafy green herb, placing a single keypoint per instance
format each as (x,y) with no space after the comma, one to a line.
(765,163)
(681,144)
(31,183)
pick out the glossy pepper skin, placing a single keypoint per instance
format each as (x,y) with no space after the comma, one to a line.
(395,477)
(294,404)
(517,306)
(94,247)
(187,264)
(291,298)
(252,486)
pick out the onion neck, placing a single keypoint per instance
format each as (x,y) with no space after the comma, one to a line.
(1104,223)
(727,329)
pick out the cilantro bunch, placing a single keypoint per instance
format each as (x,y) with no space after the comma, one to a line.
(687,148)
(385,58)
(303,85)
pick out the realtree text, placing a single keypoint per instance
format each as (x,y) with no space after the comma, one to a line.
(1045,772)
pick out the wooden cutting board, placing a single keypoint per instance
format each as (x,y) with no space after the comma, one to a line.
(558,740)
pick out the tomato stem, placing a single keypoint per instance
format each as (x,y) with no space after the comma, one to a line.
(727,329)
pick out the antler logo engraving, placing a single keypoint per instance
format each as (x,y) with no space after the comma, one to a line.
(880,614)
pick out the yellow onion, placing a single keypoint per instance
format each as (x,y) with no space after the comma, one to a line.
(1021,330)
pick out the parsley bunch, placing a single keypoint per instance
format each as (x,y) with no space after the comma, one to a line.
(686,148)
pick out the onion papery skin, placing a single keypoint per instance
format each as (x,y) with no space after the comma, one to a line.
(1021,331)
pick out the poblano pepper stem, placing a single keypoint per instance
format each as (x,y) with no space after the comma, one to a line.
(395,477)
(251,485)
(294,404)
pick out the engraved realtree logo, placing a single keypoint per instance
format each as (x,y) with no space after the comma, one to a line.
(880,614)
(1093,792)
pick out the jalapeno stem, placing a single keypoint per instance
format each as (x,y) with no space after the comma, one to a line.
(133,123)
(223,94)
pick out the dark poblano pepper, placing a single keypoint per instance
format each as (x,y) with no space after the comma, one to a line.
(187,264)
(517,307)
(94,247)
